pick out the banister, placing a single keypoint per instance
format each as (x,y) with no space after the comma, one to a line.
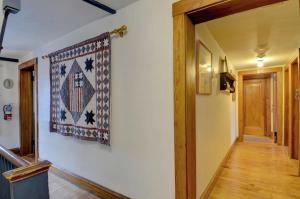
(25,172)
(20,179)
(12,158)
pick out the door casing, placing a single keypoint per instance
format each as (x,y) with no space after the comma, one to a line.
(263,71)
(286,107)
(293,109)
(27,105)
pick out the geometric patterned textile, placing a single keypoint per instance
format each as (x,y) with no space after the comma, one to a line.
(80,77)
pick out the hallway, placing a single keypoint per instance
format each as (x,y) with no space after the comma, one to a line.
(258,169)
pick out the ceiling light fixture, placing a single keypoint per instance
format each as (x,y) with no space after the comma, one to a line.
(260,62)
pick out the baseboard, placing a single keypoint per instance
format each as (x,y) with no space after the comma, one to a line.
(15,151)
(218,172)
(87,185)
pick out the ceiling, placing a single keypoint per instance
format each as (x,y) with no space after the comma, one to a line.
(41,21)
(273,30)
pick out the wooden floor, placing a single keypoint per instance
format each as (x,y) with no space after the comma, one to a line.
(62,189)
(258,169)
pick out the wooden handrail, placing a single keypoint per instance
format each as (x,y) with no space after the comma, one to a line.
(25,172)
(12,158)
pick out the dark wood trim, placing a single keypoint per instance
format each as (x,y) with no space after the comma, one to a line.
(227,8)
(26,172)
(279,103)
(286,107)
(218,172)
(214,9)
(251,72)
(186,6)
(257,76)
(15,151)
(33,65)
(87,185)
(298,59)
(37,133)
(28,64)
(26,112)
(292,143)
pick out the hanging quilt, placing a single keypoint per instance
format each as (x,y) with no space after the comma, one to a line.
(80,90)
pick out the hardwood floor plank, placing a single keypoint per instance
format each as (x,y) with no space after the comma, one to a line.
(258,169)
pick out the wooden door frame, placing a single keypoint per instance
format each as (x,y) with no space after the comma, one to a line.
(241,75)
(286,106)
(187,13)
(290,66)
(262,81)
(32,64)
(298,57)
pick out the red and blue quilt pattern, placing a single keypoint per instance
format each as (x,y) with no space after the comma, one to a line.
(80,78)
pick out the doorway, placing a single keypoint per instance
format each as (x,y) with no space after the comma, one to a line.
(187,13)
(257,106)
(260,105)
(28,94)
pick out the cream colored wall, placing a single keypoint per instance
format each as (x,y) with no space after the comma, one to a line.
(215,119)
(9,130)
(140,161)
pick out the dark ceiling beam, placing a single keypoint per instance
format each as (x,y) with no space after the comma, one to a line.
(7,12)
(101,6)
(9,59)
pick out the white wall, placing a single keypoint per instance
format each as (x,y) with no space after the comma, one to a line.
(140,162)
(215,119)
(9,130)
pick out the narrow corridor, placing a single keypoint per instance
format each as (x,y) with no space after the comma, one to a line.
(258,169)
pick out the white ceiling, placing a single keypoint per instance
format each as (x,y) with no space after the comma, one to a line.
(41,21)
(274,29)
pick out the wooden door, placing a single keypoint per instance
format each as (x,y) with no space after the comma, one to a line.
(286,107)
(294,110)
(254,107)
(268,112)
(26,110)
(275,104)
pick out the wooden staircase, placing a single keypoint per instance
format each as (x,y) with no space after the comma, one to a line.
(20,179)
